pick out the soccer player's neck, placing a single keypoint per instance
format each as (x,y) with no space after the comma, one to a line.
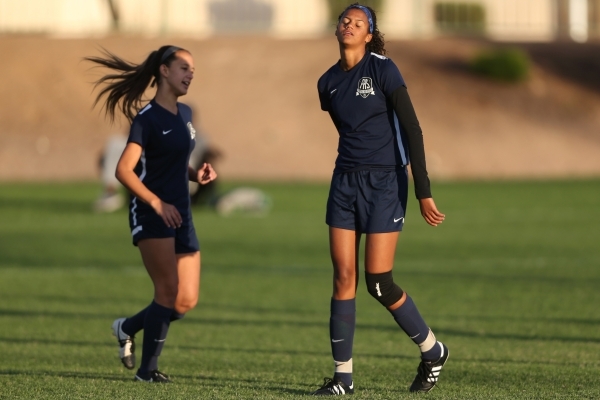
(166,99)
(351,56)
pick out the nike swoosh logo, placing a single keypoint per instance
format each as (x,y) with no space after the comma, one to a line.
(396,220)
(333,91)
(412,337)
(335,341)
(165,132)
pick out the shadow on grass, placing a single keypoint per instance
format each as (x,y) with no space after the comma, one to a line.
(207,381)
(41,205)
(324,325)
(512,336)
(69,342)
(55,314)
(274,386)
(270,352)
(287,312)
(257,309)
(66,374)
(527,279)
(100,301)
(590,321)
(313,324)
(362,354)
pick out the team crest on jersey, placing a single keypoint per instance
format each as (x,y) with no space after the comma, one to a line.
(192,130)
(365,87)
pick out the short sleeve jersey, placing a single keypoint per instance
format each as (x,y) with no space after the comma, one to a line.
(167,141)
(358,102)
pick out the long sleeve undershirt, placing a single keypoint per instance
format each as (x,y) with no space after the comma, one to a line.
(409,123)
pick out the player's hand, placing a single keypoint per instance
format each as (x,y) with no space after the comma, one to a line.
(430,212)
(168,213)
(206,174)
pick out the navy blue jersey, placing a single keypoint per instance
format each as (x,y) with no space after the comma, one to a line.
(167,141)
(358,101)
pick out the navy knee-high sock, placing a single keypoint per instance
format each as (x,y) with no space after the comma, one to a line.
(135,323)
(341,331)
(175,316)
(156,326)
(409,319)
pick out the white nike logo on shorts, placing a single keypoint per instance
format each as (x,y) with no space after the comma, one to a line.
(396,220)
(165,132)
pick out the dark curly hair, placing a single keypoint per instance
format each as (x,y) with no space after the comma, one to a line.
(377,44)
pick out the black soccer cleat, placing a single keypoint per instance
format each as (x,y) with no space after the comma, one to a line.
(126,344)
(333,388)
(428,372)
(155,377)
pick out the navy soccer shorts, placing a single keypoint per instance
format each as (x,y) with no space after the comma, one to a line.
(368,201)
(149,225)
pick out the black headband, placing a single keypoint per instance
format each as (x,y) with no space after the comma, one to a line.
(168,53)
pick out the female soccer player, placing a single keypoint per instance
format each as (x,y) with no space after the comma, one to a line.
(368,102)
(154,168)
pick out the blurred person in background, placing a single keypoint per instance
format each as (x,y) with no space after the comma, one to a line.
(110,199)
(203,153)
(155,168)
(369,105)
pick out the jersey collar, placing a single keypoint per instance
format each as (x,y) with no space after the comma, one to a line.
(356,67)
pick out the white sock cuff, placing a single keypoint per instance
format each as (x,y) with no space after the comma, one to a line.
(345,367)
(428,343)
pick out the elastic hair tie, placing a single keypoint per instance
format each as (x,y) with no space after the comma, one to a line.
(168,53)
(366,11)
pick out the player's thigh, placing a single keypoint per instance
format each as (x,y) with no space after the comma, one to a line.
(380,249)
(188,269)
(158,255)
(343,246)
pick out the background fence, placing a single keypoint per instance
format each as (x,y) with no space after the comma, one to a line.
(497,19)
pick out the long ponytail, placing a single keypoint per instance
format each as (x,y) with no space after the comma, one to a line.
(125,89)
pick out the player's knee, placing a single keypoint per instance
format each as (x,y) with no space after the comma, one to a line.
(166,293)
(383,288)
(184,305)
(344,278)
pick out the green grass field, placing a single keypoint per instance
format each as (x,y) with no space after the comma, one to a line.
(510,282)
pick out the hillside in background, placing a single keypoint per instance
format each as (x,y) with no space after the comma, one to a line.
(256,100)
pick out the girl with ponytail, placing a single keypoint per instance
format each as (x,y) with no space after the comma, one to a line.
(379,134)
(154,168)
